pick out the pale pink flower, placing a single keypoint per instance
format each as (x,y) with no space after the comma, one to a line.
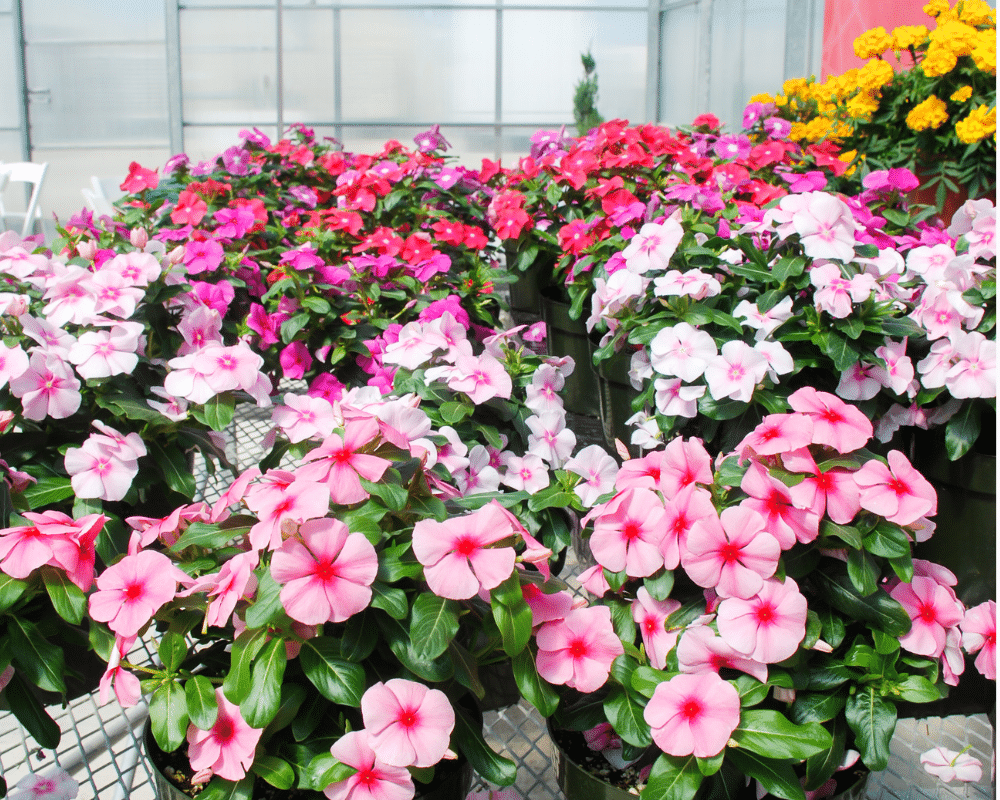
(13,363)
(766,322)
(413,348)
(138,269)
(578,650)
(777,433)
(53,340)
(133,590)
(898,372)
(303,417)
(693,714)
(735,372)
(55,784)
(114,295)
(546,607)
(768,496)
(779,360)
(767,627)
(948,765)
(408,724)
(374,779)
(835,423)
(651,615)
(481,475)
(897,491)
(930,262)
(598,471)
(456,554)
(101,354)
(228,748)
(628,531)
(53,538)
(641,472)
(691,283)
(683,508)
(326,572)
(974,373)
(47,388)
(524,473)
(96,472)
(550,439)
(200,328)
(543,391)
(857,382)
(481,378)
(685,462)
(280,496)
(683,351)
(674,399)
(653,246)
(979,634)
(339,464)
(833,492)
(602,737)
(932,609)
(592,579)
(70,295)
(125,684)
(731,553)
(701,650)
(952,658)
(825,225)
(835,293)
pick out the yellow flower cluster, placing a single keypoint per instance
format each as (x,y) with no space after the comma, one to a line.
(936,7)
(985,53)
(961,95)
(959,38)
(939,60)
(874,75)
(906,36)
(872,43)
(978,125)
(932,113)
(977,12)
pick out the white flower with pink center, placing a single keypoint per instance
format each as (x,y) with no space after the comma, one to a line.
(682,351)
(55,784)
(653,246)
(735,372)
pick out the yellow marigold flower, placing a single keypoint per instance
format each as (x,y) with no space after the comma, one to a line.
(978,125)
(780,101)
(938,61)
(935,7)
(875,74)
(932,113)
(976,12)
(798,132)
(862,106)
(958,37)
(763,97)
(906,36)
(985,52)
(872,43)
(794,86)
(961,95)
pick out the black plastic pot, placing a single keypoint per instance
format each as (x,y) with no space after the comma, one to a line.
(525,294)
(569,337)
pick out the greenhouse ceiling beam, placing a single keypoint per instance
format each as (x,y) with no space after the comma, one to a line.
(21,71)
(175,100)
(388,6)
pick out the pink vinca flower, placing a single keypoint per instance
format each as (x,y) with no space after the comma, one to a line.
(685,462)
(47,388)
(933,609)
(652,247)
(130,592)
(228,748)
(731,553)
(54,784)
(125,684)
(628,532)
(374,779)
(693,714)
(835,423)
(303,417)
(326,572)
(768,496)
(777,433)
(949,765)
(897,491)
(578,650)
(833,492)
(979,634)
(735,372)
(481,378)
(598,471)
(339,464)
(278,496)
(408,723)
(651,615)
(683,509)
(683,351)
(767,627)
(825,224)
(457,555)
(701,650)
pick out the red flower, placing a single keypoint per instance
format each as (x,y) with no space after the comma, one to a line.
(139,178)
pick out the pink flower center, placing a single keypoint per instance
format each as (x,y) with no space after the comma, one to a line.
(691,709)
(824,482)
(326,571)
(768,434)
(631,530)
(764,613)
(342,456)
(578,648)
(926,613)
(408,718)
(367,776)
(224,730)
(775,503)
(133,592)
(730,552)
(650,625)
(898,486)
(465,546)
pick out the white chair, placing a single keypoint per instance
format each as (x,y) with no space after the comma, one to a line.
(97,199)
(22,172)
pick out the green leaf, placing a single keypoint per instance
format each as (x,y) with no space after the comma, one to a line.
(172,650)
(673,778)
(359,638)
(261,704)
(887,540)
(962,430)
(548,499)
(645,680)
(770,733)
(917,689)
(710,766)
(11,590)
(168,716)
(174,466)
(820,767)
(390,599)
(30,714)
(323,770)
(202,534)
(67,599)
(625,715)
(777,777)
(392,494)
(788,267)
(873,721)
(752,691)
(453,412)
(221,789)
(863,572)
(468,738)
(267,603)
(318,304)
(202,706)
(218,411)
(433,624)
(290,327)
(276,771)
(337,680)
(659,587)
(293,695)
(48,490)
(878,608)
(236,685)
(840,351)
(533,688)
(40,661)
(816,707)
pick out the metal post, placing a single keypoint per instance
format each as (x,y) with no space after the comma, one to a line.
(279,78)
(703,96)
(338,71)
(22,73)
(653,65)
(175,99)
(498,84)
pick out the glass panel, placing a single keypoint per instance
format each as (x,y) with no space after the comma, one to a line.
(679,54)
(104,20)
(427,65)
(230,77)
(9,79)
(202,144)
(740,66)
(468,145)
(209,4)
(68,106)
(10,146)
(540,70)
(70,171)
(308,65)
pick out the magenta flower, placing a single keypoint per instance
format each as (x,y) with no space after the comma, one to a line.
(949,765)
(295,359)
(338,462)
(408,723)
(731,553)
(203,256)
(897,491)
(651,615)
(932,608)
(979,634)
(374,779)
(228,748)
(835,423)
(327,572)
(578,650)
(456,554)
(693,714)
(767,627)
(628,532)
(130,592)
